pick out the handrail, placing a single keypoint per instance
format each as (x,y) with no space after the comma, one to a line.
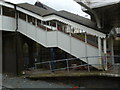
(87,66)
(90,42)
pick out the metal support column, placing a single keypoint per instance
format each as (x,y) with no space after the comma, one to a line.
(67,62)
(56,25)
(86,55)
(100,51)
(112,51)
(105,54)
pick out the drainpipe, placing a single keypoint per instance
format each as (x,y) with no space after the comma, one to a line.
(16,17)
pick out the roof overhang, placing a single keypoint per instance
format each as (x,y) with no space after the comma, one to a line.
(97,3)
(107,11)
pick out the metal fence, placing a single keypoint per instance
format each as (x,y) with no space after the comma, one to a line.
(75,64)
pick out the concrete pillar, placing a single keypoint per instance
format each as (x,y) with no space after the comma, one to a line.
(9,53)
(100,51)
(19,52)
(0,52)
(52,55)
(31,56)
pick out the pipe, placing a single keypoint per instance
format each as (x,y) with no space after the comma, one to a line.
(16,17)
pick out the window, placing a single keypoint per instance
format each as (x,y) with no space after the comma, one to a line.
(22,16)
(39,22)
(31,20)
(53,24)
(8,12)
(44,22)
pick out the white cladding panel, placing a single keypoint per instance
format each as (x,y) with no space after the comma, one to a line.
(22,26)
(92,53)
(41,37)
(52,39)
(77,48)
(64,42)
(8,23)
(31,31)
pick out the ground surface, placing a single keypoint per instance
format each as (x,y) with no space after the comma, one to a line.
(19,82)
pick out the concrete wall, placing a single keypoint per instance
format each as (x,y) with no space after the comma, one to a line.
(13,56)
(9,54)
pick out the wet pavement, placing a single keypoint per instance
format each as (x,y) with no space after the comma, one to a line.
(19,82)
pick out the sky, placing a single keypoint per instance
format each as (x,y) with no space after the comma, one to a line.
(68,5)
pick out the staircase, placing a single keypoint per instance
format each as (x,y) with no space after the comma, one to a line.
(72,44)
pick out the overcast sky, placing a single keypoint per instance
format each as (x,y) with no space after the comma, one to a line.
(68,5)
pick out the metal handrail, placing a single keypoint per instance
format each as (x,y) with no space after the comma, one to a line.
(71,59)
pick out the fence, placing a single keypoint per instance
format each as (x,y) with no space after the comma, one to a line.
(77,64)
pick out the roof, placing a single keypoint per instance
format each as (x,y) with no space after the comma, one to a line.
(45,11)
(34,9)
(41,5)
(76,18)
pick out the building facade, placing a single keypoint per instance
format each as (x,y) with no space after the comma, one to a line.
(36,33)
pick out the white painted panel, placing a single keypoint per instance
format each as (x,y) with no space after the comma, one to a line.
(8,23)
(0,22)
(22,26)
(77,48)
(41,36)
(31,31)
(92,53)
(52,39)
(64,41)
